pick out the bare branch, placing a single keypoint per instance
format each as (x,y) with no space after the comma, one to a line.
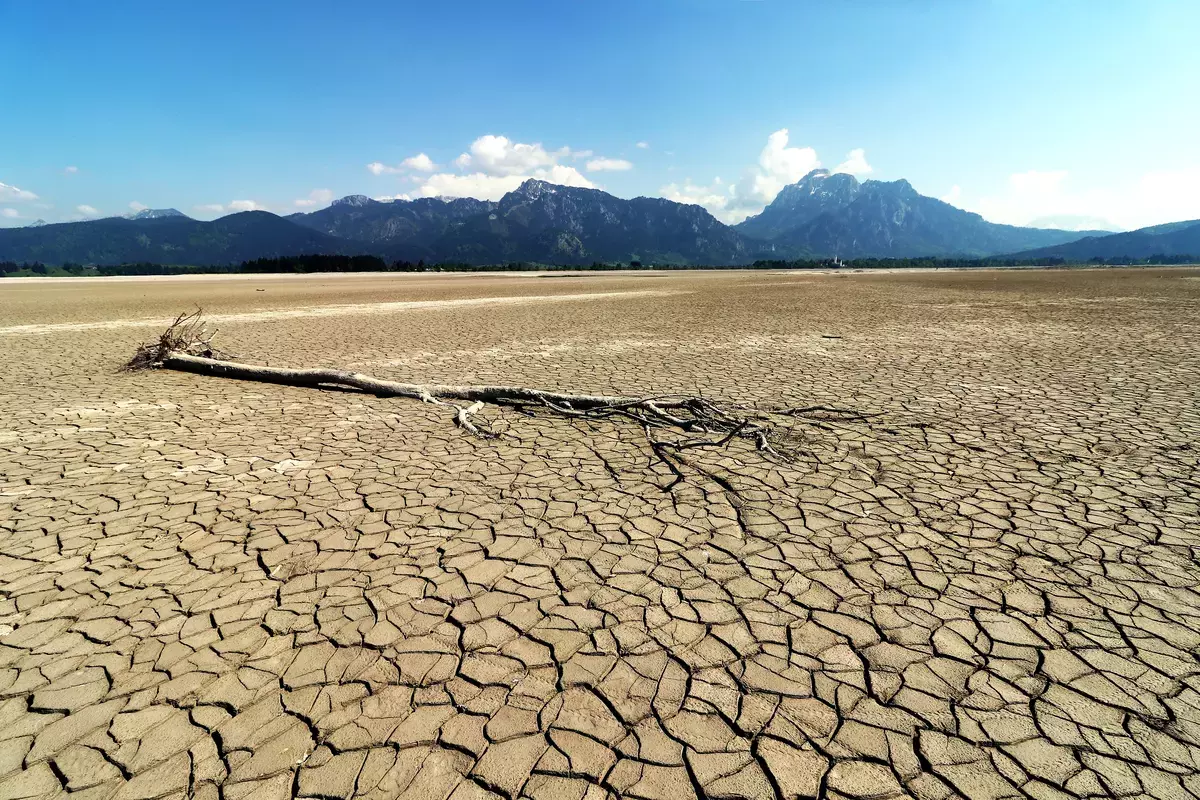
(703,422)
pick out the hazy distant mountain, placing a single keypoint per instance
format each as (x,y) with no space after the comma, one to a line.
(826,215)
(37,223)
(1075,222)
(172,239)
(155,213)
(1171,239)
(820,216)
(1169,227)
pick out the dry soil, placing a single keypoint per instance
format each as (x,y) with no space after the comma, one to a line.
(987,589)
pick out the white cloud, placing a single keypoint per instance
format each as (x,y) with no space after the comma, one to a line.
(1125,199)
(135,206)
(492,187)
(387,198)
(715,198)
(476,184)
(497,155)
(643,145)
(778,165)
(12,193)
(245,205)
(70,170)
(317,197)
(209,208)
(563,176)
(855,163)
(496,165)
(608,164)
(1073,222)
(379,168)
(418,163)
(952,197)
(87,211)
(9,213)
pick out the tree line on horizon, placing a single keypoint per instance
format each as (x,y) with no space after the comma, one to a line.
(340,263)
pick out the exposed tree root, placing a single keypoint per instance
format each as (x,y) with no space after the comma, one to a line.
(187,335)
(695,421)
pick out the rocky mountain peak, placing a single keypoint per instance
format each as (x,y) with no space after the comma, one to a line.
(155,213)
(812,179)
(534,188)
(897,188)
(354,201)
(814,194)
(820,182)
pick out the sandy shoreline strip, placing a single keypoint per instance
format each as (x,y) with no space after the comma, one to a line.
(265,276)
(333,311)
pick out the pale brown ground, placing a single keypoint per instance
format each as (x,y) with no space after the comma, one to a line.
(221,589)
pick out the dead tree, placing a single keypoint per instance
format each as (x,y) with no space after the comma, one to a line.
(696,421)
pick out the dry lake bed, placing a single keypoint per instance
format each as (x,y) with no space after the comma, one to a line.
(983,585)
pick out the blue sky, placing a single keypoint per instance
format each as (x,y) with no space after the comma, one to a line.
(1023,110)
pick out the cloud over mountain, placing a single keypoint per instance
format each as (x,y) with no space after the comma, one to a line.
(779,164)
(609,165)
(492,166)
(855,163)
(317,197)
(418,163)
(13,194)
(1128,198)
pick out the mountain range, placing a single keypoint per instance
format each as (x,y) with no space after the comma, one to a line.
(539,222)
(833,214)
(1171,239)
(820,216)
(166,240)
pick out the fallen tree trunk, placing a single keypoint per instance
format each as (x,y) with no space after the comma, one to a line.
(687,414)
(382,388)
(186,345)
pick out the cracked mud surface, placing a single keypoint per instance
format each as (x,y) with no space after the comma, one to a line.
(215,589)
